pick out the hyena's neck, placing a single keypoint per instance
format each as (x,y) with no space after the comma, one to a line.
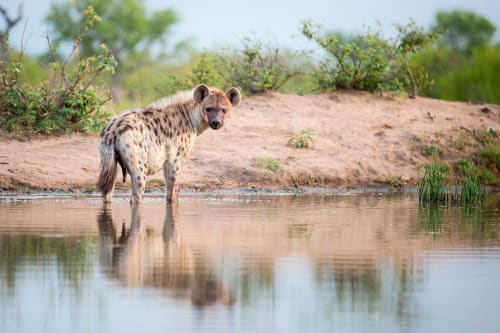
(192,114)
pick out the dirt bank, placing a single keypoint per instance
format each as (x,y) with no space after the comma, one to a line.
(360,139)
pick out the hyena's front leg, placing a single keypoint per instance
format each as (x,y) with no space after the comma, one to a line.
(171,171)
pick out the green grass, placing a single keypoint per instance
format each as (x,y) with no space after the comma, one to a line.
(302,139)
(270,163)
(491,155)
(431,188)
(472,190)
(431,150)
(469,190)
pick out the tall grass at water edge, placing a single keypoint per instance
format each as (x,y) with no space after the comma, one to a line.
(470,189)
(431,188)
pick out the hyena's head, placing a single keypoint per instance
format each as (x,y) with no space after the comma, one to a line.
(215,104)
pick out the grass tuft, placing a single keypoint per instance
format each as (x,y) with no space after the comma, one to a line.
(302,139)
(431,188)
(270,163)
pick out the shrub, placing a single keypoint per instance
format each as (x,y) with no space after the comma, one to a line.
(302,139)
(68,101)
(370,62)
(462,77)
(258,67)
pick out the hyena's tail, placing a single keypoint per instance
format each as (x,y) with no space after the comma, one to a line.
(107,176)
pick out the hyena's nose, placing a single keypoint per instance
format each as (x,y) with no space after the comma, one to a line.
(215,123)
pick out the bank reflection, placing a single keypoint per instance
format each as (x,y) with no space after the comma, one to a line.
(367,257)
(141,256)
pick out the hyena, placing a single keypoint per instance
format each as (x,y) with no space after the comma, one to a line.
(160,135)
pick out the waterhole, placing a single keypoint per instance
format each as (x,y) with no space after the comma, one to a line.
(242,263)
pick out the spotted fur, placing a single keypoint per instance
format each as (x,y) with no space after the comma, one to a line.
(159,136)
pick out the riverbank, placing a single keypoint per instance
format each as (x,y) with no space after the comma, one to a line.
(360,140)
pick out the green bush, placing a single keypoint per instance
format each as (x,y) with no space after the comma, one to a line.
(463,77)
(255,68)
(68,101)
(371,62)
(258,67)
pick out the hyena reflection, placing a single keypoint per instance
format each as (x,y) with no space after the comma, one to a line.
(160,136)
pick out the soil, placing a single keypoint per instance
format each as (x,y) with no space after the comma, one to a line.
(360,140)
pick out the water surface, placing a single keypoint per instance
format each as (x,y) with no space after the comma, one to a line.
(232,263)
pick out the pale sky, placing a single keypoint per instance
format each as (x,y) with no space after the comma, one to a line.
(221,23)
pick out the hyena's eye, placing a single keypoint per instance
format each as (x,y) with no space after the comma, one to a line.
(209,109)
(224,110)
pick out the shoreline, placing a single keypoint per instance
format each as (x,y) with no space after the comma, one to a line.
(361,140)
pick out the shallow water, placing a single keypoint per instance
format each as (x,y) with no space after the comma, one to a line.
(230,263)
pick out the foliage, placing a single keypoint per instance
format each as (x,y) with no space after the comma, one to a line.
(472,190)
(491,155)
(431,188)
(370,62)
(126,28)
(489,158)
(464,30)
(463,77)
(302,139)
(431,150)
(464,65)
(257,67)
(68,101)
(270,163)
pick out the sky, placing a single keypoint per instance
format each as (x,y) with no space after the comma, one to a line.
(221,23)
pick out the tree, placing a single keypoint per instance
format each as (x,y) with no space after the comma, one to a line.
(125,28)
(464,30)
(4,34)
(465,64)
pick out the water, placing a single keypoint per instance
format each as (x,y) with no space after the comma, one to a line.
(248,264)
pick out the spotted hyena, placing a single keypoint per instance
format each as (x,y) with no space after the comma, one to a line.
(160,135)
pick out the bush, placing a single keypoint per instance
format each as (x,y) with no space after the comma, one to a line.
(462,77)
(68,101)
(370,62)
(256,68)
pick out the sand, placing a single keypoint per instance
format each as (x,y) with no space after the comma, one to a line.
(360,140)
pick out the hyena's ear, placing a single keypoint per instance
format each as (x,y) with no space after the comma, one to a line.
(200,92)
(234,96)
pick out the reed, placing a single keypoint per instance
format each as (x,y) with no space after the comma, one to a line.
(431,188)
(473,189)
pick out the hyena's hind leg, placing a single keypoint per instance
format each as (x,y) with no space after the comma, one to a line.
(137,177)
(108,195)
(107,175)
(130,157)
